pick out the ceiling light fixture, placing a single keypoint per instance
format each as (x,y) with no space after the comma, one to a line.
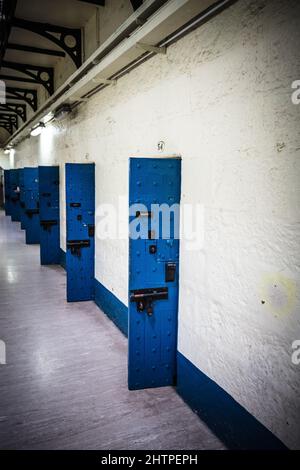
(62,112)
(35,131)
(48,117)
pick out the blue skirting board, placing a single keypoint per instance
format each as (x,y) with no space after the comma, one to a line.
(232,423)
(62,258)
(112,307)
(228,420)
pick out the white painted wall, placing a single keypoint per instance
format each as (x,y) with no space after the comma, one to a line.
(222,99)
(4,160)
(112,16)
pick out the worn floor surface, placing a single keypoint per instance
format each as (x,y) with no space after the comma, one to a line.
(65,382)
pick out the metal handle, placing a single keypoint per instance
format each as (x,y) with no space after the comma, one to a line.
(47,224)
(145,297)
(76,245)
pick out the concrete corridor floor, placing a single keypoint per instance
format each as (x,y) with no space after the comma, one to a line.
(65,382)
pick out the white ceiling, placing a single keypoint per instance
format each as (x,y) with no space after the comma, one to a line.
(70,13)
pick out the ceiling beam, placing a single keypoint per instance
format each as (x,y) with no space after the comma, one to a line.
(9,118)
(100,3)
(7,11)
(19,109)
(41,75)
(29,95)
(7,126)
(68,39)
(136,4)
(35,50)
(17,79)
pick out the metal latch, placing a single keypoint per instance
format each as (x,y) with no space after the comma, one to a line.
(76,246)
(170,272)
(143,214)
(91,230)
(152,249)
(47,224)
(75,204)
(145,297)
(30,212)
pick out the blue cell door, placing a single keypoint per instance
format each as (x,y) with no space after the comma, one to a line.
(31,198)
(153,271)
(7,192)
(22,198)
(49,214)
(80,213)
(14,195)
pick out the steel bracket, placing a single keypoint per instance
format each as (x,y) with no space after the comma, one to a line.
(136,4)
(38,74)
(104,81)
(149,48)
(68,39)
(19,109)
(100,3)
(7,126)
(35,50)
(23,94)
(9,122)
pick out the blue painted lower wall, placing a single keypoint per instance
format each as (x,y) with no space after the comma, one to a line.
(232,423)
(112,306)
(62,258)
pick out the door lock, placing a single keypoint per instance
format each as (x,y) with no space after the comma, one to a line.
(152,249)
(30,212)
(170,272)
(76,246)
(91,230)
(144,298)
(47,224)
(143,214)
